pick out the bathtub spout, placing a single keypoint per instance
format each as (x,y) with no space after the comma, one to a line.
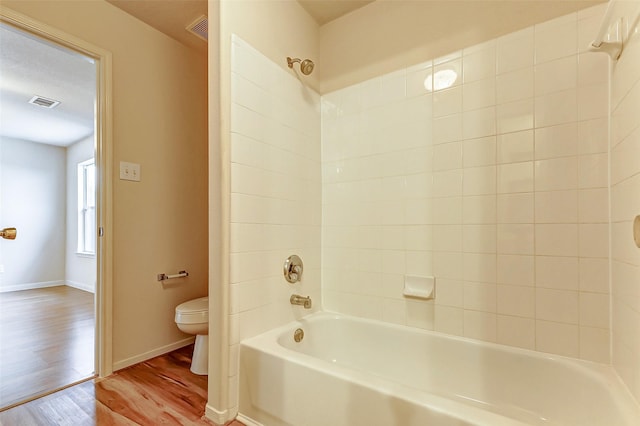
(301,300)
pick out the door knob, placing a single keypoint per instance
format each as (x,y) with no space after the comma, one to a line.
(8,233)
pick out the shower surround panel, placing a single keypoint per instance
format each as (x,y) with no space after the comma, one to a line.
(275,195)
(496,185)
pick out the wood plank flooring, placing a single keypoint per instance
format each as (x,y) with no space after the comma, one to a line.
(159,391)
(46,341)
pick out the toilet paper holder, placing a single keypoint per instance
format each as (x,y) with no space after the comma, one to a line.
(181,274)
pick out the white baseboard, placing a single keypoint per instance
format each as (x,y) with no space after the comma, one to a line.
(119,365)
(81,286)
(248,420)
(30,286)
(216,416)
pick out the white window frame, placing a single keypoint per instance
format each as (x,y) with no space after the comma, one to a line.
(86,211)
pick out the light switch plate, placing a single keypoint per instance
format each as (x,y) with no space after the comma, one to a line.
(130,171)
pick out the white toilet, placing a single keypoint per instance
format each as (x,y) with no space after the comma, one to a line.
(193,317)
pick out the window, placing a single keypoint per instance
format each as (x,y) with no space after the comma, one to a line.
(87,207)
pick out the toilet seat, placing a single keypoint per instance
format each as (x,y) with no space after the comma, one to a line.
(194,311)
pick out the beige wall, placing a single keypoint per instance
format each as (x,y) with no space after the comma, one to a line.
(159,121)
(390,34)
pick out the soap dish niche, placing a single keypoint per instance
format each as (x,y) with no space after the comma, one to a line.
(419,287)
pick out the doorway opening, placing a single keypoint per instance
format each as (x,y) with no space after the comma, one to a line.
(54,323)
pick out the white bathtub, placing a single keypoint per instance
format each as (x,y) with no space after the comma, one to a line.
(350,372)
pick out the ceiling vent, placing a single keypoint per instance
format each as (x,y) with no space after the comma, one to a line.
(44,102)
(200,28)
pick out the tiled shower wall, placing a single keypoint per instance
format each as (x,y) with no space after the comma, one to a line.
(275,196)
(497,186)
(625,205)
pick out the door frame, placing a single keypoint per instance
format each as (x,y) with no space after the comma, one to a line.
(104,160)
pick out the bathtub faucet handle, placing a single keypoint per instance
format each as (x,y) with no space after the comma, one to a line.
(293,269)
(296,299)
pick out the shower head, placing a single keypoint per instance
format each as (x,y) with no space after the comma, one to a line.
(306,66)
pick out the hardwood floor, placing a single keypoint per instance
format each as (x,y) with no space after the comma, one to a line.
(159,391)
(46,341)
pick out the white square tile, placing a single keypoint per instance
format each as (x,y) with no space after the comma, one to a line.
(480,64)
(447,265)
(516,300)
(515,177)
(449,320)
(594,310)
(450,293)
(556,240)
(594,240)
(556,39)
(557,207)
(479,152)
(557,141)
(447,129)
(592,69)
(515,51)
(624,157)
(418,237)
(556,174)
(556,272)
(419,262)
(480,325)
(594,344)
(447,156)
(479,209)
(447,210)
(479,180)
(447,183)
(515,147)
(557,305)
(557,75)
(514,331)
(515,85)
(479,238)
(593,171)
(420,314)
(394,311)
(479,267)
(593,102)
(516,270)
(516,208)
(418,212)
(480,297)
(515,239)
(479,123)
(556,108)
(557,338)
(515,116)
(447,238)
(479,94)
(447,102)
(594,275)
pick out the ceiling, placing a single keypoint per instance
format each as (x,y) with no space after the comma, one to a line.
(30,66)
(172,16)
